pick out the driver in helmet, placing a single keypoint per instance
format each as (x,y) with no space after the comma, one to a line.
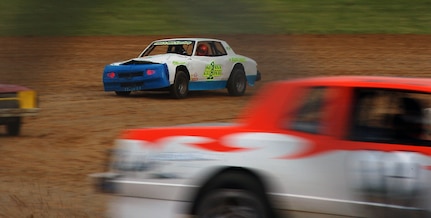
(202,50)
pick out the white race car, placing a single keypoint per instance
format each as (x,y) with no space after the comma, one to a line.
(180,65)
(314,147)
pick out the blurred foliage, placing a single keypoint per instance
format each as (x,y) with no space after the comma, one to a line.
(144,17)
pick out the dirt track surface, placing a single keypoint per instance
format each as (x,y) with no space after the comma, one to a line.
(44,171)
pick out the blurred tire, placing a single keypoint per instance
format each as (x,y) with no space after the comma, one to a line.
(231,203)
(13,128)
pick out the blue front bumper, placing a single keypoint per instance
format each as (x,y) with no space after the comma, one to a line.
(135,77)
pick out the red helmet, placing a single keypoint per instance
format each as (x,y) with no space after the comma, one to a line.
(202,50)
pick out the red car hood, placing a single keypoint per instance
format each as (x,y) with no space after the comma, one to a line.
(11,88)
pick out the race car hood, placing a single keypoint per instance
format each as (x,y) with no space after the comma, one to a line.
(155,59)
(11,88)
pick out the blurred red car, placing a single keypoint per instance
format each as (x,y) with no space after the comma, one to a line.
(15,103)
(340,146)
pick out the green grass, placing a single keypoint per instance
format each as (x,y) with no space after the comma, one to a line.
(140,17)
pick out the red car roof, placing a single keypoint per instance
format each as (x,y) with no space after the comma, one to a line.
(419,84)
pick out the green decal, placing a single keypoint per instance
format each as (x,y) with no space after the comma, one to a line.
(212,70)
(237,59)
(178,63)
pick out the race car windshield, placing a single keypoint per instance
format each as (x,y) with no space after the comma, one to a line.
(181,47)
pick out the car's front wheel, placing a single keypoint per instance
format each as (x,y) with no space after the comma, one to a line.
(180,88)
(237,82)
(233,194)
(231,203)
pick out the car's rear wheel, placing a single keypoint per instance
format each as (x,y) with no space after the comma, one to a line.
(13,128)
(180,88)
(237,82)
(122,93)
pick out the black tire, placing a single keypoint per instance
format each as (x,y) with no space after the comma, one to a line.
(180,88)
(13,128)
(233,194)
(122,93)
(237,83)
(231,203)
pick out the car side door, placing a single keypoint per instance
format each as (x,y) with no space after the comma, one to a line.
(209,62)
(389,166)
(222,59)
(314,178)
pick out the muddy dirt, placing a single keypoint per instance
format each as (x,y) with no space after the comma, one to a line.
(44,170)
